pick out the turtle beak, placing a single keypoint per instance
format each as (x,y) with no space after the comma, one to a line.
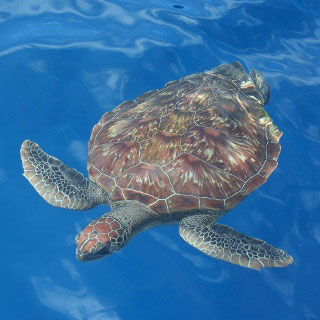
(94,253)
(85,257)
(88,257)
(81,257)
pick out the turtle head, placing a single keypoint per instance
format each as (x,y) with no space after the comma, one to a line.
(101,238)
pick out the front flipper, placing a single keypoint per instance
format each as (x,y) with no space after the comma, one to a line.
(58,184)
(222,242)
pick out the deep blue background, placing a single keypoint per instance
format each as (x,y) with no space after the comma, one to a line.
(63,64)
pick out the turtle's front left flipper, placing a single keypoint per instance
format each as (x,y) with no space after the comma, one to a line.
(58,184)
(222,242)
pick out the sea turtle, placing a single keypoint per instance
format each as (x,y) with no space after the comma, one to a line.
(187,154)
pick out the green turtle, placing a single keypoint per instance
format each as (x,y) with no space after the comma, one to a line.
(186,154)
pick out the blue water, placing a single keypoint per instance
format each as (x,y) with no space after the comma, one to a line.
(63,64)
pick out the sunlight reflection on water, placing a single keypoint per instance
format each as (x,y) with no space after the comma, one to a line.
(64,63)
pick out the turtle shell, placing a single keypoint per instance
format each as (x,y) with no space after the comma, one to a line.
(201,143)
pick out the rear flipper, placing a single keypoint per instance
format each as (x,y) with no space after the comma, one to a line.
(58,184)
(222,242)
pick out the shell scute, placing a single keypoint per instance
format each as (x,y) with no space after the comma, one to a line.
(178,91)
(160,206)
(123,106)
(139,196)
(127,130)
(202,79)
(193,176)
(106,182)
(196,100)
(233,200)
(211,204)
(94,133)
(273,150)
(177,122)
(143,109)
(222,115)
(236,155)
(93,172)
(106,117)
(162,148)
(172,83)
(273,133)
(146,95)
(252,184)
(114,158)
(146,178)
(116,194)
(182,203)
(268,168)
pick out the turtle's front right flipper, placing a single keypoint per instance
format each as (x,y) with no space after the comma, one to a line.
(222,242)
(58,184)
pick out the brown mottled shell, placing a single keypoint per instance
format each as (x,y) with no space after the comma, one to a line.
(199,143)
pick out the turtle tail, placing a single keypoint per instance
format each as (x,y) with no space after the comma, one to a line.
(58,184)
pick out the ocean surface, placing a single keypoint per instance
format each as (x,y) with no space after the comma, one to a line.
(63,64)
